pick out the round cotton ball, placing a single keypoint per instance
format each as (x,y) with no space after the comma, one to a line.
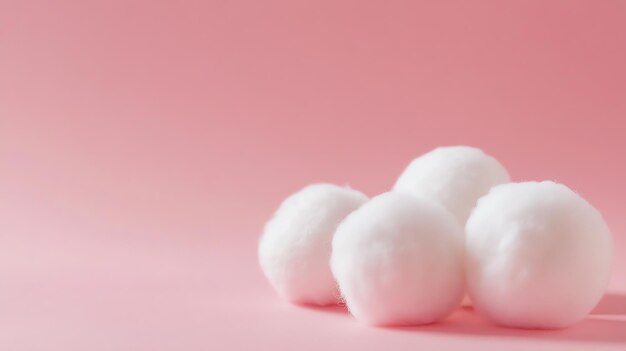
(294,250)
(398,260)
(454,176)
(538,255)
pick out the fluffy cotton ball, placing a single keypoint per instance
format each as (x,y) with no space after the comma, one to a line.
(398,260)
(538,255)
(294,250)
(454,176)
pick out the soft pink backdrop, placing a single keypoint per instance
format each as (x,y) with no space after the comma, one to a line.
(144,143)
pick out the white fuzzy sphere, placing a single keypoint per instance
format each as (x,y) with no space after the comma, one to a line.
(294,250)
(538,255)
(398,260)
(454,176)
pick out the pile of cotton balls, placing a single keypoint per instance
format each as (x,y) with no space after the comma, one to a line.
(528,255)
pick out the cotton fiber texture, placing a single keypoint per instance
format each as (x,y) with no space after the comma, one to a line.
(294,250)
(398,260)
(538,255)
(454,176)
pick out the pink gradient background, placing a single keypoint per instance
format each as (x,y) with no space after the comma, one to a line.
(144,143)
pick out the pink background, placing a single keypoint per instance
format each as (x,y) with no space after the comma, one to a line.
(144,143)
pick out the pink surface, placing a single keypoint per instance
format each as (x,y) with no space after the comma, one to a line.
(144,143)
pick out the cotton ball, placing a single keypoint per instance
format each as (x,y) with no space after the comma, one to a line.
(294,250)
(398,260)
(538,255)
(454,176)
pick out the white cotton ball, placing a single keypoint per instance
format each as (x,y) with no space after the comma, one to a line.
(294,250)
(538,255)
(454,176)
(398,260)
